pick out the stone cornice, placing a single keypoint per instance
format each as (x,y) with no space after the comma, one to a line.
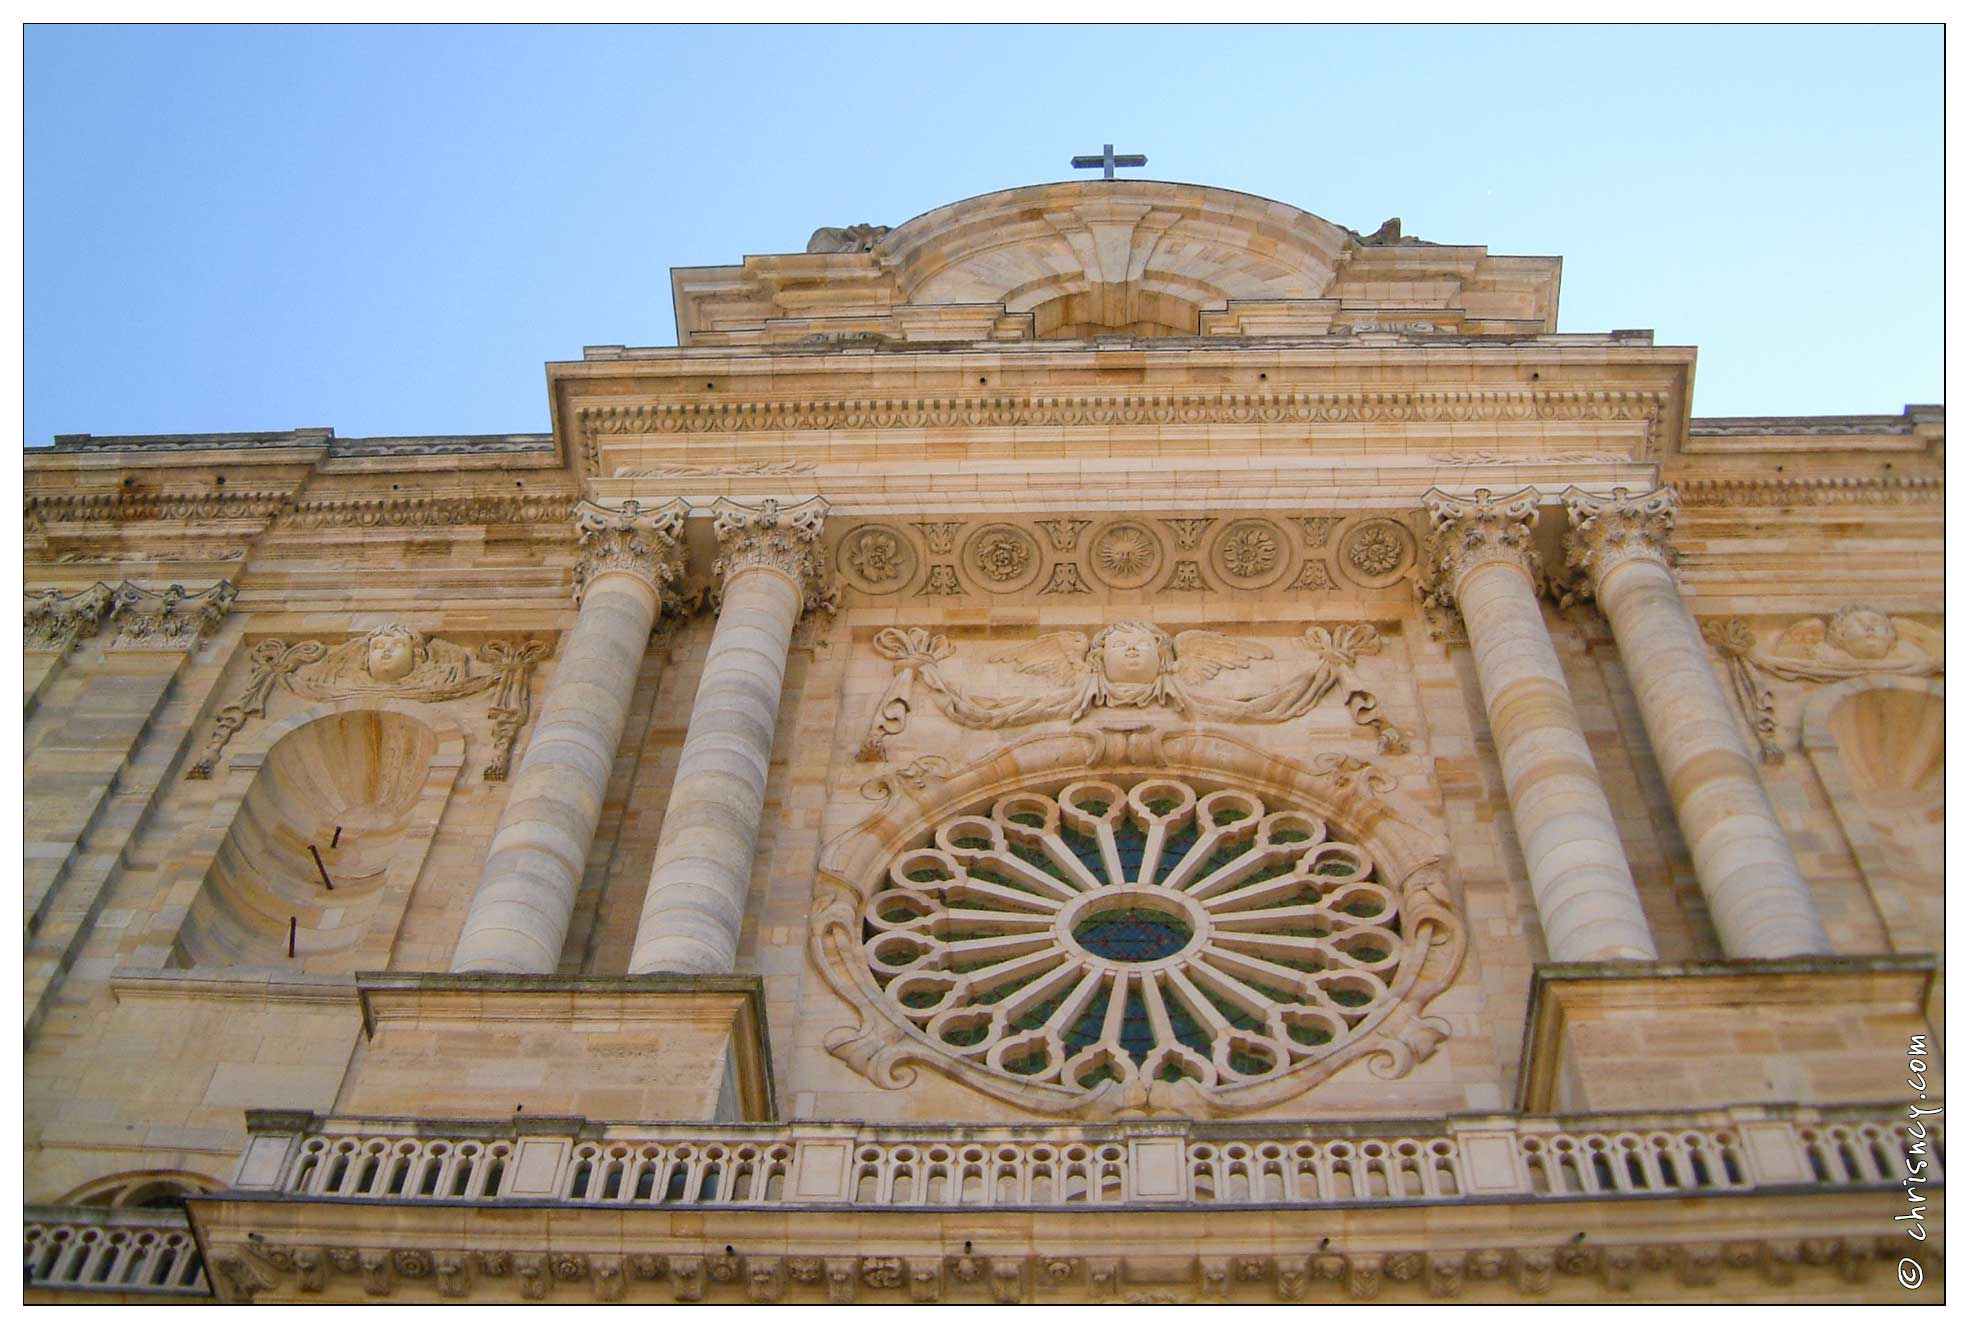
(124,507)
(502,509)
(1815,491)
(597,420)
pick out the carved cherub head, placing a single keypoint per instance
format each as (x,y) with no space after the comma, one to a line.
(392,652)
(1132,652)
(1863,633)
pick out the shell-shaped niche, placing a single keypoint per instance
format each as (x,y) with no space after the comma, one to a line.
(349,787)
(1890,742)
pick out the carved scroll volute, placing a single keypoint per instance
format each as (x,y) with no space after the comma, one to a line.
(647,542)
(1468,532)
(171,619)
(771,535)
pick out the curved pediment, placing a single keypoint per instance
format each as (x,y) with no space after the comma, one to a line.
(1112,252)
(1110,257)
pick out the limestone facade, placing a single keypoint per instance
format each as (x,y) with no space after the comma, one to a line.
(1111,695)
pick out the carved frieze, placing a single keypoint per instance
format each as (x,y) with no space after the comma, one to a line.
(393,661)
(1129,664)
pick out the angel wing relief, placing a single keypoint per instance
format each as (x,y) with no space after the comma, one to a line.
(1127,664)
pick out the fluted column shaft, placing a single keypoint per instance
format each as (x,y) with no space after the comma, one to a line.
(519,915)
(695,905)
(1757,897)
(1482,563)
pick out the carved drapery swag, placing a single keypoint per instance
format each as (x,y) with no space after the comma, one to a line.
(393,661)
(1854,642)
(1127,664)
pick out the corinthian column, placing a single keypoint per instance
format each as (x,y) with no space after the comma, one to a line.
(1481,564)
(1756,894)
(769,564)
(520,914)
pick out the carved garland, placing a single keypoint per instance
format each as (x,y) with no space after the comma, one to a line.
(393,661)
(1129,664)
(1856,641)
(994,927)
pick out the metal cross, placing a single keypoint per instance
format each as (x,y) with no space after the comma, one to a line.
(1107,161)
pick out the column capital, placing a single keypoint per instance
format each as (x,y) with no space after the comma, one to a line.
(1610,529)
(771,535)
(171,619)
(1470,530)
(646,542)
(55,622)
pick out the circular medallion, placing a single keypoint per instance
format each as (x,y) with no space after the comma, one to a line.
(877,558)
(1376,552)
(1126,554)
(1001,558)
(1250,553)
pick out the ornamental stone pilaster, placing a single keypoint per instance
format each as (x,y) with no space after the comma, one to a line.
(1619,544)
(768,572)
(519,916)
(1482,564)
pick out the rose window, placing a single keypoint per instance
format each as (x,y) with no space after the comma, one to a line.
(1155,933)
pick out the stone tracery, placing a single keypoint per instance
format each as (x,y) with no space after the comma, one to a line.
(1129,935)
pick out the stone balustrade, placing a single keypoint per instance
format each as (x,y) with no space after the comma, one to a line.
(112,1251)
(571,1161)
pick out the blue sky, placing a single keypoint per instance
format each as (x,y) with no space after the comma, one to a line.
(390,230)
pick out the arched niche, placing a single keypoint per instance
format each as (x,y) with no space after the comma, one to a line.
(361,784)
(1877,745)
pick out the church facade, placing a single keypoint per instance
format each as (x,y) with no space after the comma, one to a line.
(1114,742)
